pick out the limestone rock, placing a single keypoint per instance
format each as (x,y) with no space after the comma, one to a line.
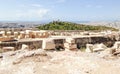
(24,46)
(70,44)
(99,47)
(89,48)
(117,45)
(112,50)
(29,54)
(48,44)
(40,52)
(8,49)
(116,53)
(70,40)
(95,47)
(17,61)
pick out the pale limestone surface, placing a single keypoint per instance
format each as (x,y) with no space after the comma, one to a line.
(64,62)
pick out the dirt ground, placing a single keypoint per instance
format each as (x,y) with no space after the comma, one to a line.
(62,62)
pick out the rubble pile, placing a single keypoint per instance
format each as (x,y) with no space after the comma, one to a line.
(95,47)
(19,55)
(103,50)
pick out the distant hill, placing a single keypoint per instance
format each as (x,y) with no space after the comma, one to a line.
(115,24)
(18,24)
(59,25)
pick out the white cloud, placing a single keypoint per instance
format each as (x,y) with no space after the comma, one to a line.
(32,14)
(30,5)
(26,15)
(31,11)
(36,5)
(94,6)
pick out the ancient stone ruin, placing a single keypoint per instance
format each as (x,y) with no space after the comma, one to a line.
(60,40)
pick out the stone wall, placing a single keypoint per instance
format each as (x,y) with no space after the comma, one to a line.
(18,45)
(82,41)
(59,43)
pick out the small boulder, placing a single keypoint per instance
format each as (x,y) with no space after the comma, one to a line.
(40,52)
(99,47)
(116,52)
(95,47)
(117,45)
(17,61)
(89,48)
(24,46)
(5,49)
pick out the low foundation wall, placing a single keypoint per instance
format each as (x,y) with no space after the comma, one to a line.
(59,43)
(18,45)
(82,41)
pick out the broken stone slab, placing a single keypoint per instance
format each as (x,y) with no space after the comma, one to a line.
(67,49)
(5,49)
(116,53)
(24,46)
(22,54)
(100,46)
(27,54)
(107,52)
(21,51)
(69,46)
(40,52)
(112,50)
(89,48)
(116,45)
(17,61)
(32,53)
(70,40)
(95,47)
(98,49)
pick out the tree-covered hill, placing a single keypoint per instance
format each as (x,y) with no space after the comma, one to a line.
(58,25)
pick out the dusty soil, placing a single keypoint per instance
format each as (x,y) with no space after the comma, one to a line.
(63,62)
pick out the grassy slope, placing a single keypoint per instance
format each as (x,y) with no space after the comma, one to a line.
(57,25)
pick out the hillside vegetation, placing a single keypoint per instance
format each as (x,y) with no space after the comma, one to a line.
(58,25)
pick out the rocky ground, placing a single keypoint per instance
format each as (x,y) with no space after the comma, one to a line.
(58,62)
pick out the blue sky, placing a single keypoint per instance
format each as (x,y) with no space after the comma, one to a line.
(68,10)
